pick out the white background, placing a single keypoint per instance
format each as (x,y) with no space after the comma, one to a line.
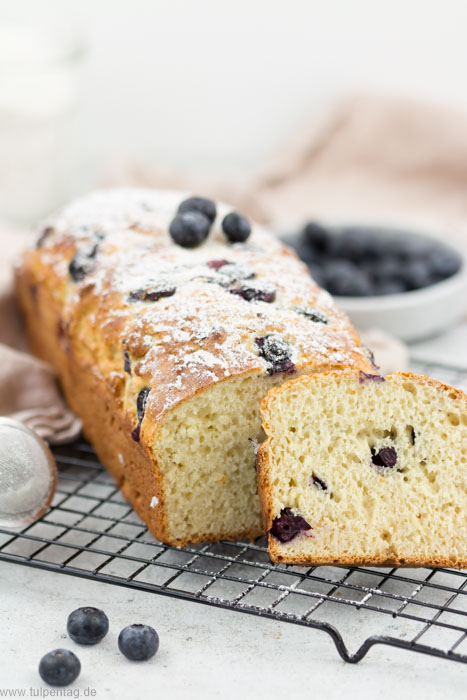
(213,87)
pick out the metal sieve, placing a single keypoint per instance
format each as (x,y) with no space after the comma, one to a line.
(28,475)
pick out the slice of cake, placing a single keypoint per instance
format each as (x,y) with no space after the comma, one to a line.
(360,469)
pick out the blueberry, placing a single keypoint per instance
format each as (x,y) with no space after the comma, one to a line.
(386,270)
(277,353)
(152,293)
(343,278)
(319,483)
(317,238)
(59,667)
(358,244)
(138,642)
(126,362)
(390,287)
(313,314)
(443,263)
(45,233)
(140,408)
(256,292)
(236,227)
(87,625)
(189,229)
(317,273)
(365,377)
(287,526)
(80,266)
(385,457)
(201,205)
(416,274)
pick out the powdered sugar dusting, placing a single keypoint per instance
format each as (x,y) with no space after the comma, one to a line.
(177,312)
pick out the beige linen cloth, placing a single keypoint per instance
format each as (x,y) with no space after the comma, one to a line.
(28,387)
(368,159)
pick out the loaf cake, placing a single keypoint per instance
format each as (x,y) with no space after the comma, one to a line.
(364,470)
(168,318)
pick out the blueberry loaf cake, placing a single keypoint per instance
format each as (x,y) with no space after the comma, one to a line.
(364,470)
(168,318)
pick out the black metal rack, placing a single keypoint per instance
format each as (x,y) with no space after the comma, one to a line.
(90,531)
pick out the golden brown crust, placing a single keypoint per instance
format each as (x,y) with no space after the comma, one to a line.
(178,346)
(276,550)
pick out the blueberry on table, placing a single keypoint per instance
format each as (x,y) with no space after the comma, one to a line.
(236,227)
(200,204)
(287,526)
(87,625)
(189,229)
(138,642)
(59,667)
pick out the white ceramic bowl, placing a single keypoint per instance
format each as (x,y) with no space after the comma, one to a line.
(410,315)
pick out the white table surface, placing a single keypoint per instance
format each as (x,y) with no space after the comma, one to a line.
(207,652)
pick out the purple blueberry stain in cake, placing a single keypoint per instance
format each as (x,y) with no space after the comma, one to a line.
(80,266)
(288,525)
(216,264)
(140,409)
(82,263)
(365,377)
(318,483)
(315,315)
(277,353)
(45,233)
(264,291)
(127,362)
(152,293)
(385,457)
(371,356)
(412,436)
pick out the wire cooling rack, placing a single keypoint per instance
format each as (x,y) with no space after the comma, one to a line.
(90,531)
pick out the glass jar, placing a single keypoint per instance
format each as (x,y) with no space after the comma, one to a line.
(39,100)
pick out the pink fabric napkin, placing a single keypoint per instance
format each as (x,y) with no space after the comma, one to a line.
(28,387)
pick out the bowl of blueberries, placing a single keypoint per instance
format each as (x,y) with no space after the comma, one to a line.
(410,283)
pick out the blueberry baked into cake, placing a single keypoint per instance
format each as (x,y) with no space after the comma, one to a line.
(168,318)
(359,469)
